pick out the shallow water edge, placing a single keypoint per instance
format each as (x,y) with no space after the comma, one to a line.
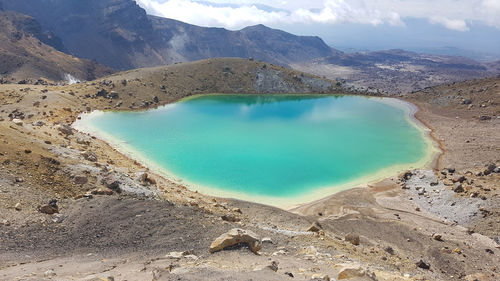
(84,124)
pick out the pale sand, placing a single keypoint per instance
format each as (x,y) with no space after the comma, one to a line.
(84,124)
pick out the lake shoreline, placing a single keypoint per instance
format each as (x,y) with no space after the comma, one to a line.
(83,124)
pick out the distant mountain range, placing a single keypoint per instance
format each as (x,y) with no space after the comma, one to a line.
(119,34)
(398,71)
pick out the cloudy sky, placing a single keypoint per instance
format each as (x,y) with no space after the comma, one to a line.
(453,23)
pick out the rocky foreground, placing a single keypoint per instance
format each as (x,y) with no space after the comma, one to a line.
(72,208)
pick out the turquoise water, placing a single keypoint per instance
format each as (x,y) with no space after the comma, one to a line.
(278,145)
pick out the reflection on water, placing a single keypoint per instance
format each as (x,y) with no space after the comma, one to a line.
(275,145)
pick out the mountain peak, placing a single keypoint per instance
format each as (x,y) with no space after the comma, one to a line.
(120,34)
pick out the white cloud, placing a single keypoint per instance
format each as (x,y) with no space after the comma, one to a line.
(452,14)
(458,25)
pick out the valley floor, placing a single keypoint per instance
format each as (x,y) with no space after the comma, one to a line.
(115,222)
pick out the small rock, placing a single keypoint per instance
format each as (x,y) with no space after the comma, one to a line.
(491,167)
(315,227)
(39,123)
(230,218)
(112,183)
(82,141)
(18,207)
(17,122)
(234,237)
(489,251)
(352,238)
(113,95)
(434,183)
(458,188)
(458,178)
(146,180)
(467,101)
(484,118)
(437,237)
(289,274)
(27,151)
(423,265)
(49,210)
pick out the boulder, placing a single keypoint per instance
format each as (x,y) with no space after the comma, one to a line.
(352,238)
(234,237)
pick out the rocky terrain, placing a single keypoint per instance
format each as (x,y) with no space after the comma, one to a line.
(29,54)
(396,71)
(72,208)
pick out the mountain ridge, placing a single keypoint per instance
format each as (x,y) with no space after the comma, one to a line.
(26,54)
(120,34)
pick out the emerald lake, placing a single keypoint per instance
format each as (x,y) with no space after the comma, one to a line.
(269,148)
